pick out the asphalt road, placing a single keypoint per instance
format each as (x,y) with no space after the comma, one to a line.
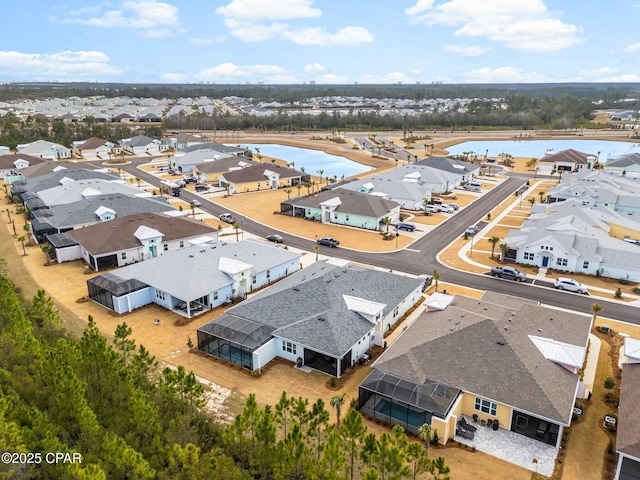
(421,257)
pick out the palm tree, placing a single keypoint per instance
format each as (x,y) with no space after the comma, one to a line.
(138,180)
(595,309)
(236,227)
(532,201)
(541,193)
(308,185)
(46,248)
(436,278)
(22,239)
(337,402)
(320,173)
(288,192)
(425,433)
(386,221)
(504,248)
(494,241)
(193,210)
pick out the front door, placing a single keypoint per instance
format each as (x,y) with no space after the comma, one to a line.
(545,261)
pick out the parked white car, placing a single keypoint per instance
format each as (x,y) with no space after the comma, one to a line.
(570,285)
(446,208)
(431,209)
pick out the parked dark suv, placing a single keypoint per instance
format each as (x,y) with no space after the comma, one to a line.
(409,227)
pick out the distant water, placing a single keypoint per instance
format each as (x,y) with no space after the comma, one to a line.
(540,148)
(311,160)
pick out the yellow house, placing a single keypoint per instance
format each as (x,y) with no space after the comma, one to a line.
(210,171)
(498,361)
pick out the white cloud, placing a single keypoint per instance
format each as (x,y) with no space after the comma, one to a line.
(391,77)
(504,75)
(261,20)
(175,77)
(60,66)
(625,77)
(232,72)
(205,42)
(155,19)
(467,50)
(349,36)
(634,47)
(415,71)
(314,68)
(256,10)
(525,25)
(330,78)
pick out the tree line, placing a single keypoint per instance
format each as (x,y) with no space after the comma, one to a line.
(129,417)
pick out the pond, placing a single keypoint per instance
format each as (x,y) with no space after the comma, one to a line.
(311,160)
(540,148)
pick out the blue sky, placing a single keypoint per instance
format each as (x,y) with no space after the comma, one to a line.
(326,41)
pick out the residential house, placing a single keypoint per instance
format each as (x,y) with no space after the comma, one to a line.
(123,118)
(567,243)
(44,149)
(569,160)
(210,171)
(55,175)
(96,149)
(325,316)
(11,166)
(218,147)
(93,209)
(183,140)
(628,420)
(194,279)
(410,194)
(624,164)
(142,145)
(466,171)
(131,239)
(261,177)
(344,207)
(185,162)
(500,359)
(70,191)
(600,187)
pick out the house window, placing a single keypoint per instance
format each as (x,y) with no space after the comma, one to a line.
(346,218)
(562,262)
(152,241)
(528,256)
(181,243)
(585,264)
(395,312)
(288,347)
(215,295)
(159,294)
(123,255)
(268,274)
(485,406)
(254,279)
(335,216)
(165,247)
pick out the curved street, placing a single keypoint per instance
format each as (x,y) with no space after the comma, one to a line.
(421,257)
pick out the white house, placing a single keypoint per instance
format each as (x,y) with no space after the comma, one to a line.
(45,149)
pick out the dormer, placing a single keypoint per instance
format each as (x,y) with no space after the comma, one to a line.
(65,180)
(366,188)
(566,355)
(370,310)
(90,192)
(236,269)
(105,213)
(148,236)
(413,177)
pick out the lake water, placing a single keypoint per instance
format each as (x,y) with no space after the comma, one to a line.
(540,148)
(311,160)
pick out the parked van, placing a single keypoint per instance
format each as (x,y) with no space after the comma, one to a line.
(473,186)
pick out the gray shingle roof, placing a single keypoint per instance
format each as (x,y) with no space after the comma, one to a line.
(628,439)
(52,179)
(351,202)
(256,172)
(192,272)
(83,211)
(295,305)
(118,234)
(473,346)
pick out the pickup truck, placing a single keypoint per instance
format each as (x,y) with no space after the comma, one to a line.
(509,273)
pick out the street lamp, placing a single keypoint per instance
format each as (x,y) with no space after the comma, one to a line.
(471,250)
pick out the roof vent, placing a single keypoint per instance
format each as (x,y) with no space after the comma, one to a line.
(501,343)
(506,327)
(321,319)
(190,256)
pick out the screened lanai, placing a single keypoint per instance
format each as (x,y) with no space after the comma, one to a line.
(402,402)
(103,288)
(233,339)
